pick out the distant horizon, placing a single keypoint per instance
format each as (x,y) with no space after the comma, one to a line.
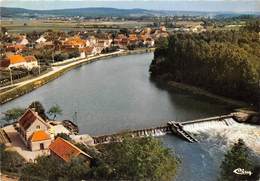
(238,12)
(235,6)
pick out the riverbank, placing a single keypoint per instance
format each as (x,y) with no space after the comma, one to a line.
(202,92)
(27,86)
(172,85)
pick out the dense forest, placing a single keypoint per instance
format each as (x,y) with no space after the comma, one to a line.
(223,62)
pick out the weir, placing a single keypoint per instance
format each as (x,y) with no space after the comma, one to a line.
(209,123)
(181,129)
(157,131)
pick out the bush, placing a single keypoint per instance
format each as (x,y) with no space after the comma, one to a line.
(74,54)
(11,161)
(136,159)
(63,135)
(52,168)
(35,71)
(61,57)
(237,157)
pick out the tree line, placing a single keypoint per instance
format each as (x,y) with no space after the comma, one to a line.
(223,62)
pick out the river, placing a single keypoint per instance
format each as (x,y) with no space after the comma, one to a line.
(116,94)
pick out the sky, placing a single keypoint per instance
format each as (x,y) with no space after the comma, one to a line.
(185,5)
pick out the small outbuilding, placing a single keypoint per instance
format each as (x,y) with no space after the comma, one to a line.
(65,151)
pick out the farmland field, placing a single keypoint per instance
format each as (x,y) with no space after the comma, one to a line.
(27,25)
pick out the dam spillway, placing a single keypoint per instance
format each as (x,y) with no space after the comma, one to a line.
(181,129)
(209,124)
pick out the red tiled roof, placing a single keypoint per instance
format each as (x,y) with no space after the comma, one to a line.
(16,59)
(76,41)
(39,136)
(4,63)
(30,58)
(14,48)
(28,118)
(65,150)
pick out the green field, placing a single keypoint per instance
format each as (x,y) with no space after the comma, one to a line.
(26,25)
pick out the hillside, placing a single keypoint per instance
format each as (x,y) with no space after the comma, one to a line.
(103,12)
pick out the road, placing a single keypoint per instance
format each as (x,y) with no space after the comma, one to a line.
(59,68)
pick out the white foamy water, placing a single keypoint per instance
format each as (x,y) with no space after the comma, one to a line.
(230,131)
(158,133)
(201,126)
(154,134)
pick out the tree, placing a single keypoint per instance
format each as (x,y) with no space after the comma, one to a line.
(61,56)
(74,54)
(124,31)
(237,157)
(63,135)
(38,107)
(52,168)
(223,62)
(162,43)
(253,26)
(3,30)
(44,168)
(35,71)
(11,161)
(138,159)
(54,111)
(13,114)
(113,38)
(76,169)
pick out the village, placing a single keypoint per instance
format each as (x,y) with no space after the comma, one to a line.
(24,56)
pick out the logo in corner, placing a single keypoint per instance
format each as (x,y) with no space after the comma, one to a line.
(241,171)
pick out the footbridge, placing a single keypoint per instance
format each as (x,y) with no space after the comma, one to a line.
(177,128)
(183,130)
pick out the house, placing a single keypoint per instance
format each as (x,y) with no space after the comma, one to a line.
(123,42)
(132,39)
(41,40)
(65,151)
(163,29)
(15,48)
(34,131)
(17,61)
(90,51)
(22,41)
(31,62)
(74,42)
(46,44)
(147,31)
(149,42)
(14,61)
(105,43)
(91,41)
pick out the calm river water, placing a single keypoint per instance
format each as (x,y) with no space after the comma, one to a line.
(117,94)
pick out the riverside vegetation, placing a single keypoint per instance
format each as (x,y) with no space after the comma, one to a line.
(223,62)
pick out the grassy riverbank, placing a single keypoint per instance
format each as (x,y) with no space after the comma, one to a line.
(29,86)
